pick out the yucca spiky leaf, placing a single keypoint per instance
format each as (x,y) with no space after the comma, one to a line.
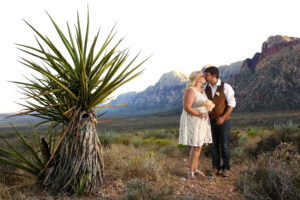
(23,160)
(87,81)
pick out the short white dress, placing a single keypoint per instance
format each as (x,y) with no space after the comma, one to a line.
(193,130)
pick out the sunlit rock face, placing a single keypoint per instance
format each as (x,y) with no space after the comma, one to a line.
(228,70)
(270,80)
(166,94)
(269,47)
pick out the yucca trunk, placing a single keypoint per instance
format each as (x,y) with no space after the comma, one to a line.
(78,157)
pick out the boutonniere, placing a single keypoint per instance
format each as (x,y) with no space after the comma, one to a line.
(218,93)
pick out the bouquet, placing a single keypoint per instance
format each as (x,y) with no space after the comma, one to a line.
(209,105)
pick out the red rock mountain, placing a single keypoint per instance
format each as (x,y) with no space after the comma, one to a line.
(271,79)
(269,47)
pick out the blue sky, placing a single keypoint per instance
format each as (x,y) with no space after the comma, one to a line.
(181,35)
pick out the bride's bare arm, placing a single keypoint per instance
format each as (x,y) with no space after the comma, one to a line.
(188,100)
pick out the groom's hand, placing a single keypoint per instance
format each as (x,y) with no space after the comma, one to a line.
(220,120)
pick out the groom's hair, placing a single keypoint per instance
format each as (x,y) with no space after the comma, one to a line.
(212,70)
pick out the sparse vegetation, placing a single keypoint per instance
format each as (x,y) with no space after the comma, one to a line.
(139,189)
(157,160)
(275,175)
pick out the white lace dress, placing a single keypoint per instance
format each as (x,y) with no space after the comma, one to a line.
(193,130)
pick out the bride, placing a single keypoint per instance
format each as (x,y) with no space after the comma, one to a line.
(194,127)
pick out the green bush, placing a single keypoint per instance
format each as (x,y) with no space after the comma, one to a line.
(136,143)
(106,138)
(123,140)
(162,142)
(171,150)
(269,143)
(148,141)
(251,133)
(275,175)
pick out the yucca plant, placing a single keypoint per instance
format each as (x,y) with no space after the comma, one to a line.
(34,157)
(69,91)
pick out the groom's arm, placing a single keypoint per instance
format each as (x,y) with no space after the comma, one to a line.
(231,103)
(221,119)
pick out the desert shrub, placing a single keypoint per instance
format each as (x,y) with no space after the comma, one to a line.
(148,141)
(106,138)
(171,150)
(158,134)
(123,140)
(287,125)
(142,190)
(148,165)
(234,139)
(236,131)
(184,149)
(269,143)
(162,142)
(239,151)
(136,143)
(174,132)
(251,133)
(275,175)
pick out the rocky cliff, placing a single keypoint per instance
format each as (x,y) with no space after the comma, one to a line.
(269,47)
(229,70)
(271,79)
(165,95)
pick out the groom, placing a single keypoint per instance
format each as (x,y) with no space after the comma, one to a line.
(222,95)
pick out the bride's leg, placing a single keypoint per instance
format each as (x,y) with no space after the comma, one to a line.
(194,157)
(199,149)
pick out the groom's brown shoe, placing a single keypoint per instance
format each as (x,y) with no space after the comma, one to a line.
(214,172)
(225,173)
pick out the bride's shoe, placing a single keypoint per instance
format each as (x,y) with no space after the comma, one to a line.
(199,173)
(191,176)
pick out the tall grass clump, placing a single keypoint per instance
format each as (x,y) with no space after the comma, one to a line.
(106,138)
(287,125)
(275,175)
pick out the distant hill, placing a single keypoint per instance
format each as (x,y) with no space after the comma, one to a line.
(165,95)
(229,70)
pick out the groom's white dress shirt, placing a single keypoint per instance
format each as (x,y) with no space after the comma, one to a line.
(228,91)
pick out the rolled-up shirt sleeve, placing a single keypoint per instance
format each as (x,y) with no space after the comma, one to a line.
(229,94)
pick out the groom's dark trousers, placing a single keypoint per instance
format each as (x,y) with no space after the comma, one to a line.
(221,144)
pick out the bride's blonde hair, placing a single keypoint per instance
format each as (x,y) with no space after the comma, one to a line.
(192,78)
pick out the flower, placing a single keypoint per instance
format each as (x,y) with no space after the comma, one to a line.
(209,105)
(218,93)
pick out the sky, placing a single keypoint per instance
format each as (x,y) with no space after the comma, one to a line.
(180,35)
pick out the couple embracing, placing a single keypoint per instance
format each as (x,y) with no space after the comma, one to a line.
(206,119)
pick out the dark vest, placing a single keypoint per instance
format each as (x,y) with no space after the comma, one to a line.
(219,101)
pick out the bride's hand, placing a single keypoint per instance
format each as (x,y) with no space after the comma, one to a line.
(205,115)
